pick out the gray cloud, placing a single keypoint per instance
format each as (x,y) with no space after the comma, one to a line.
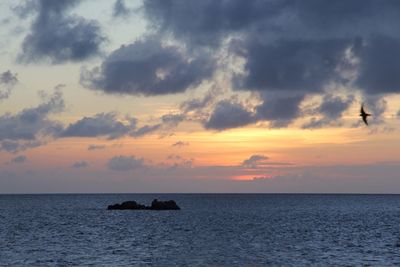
(180,144)
(57,37)
(146,129)
(228,114)
(376,105)
(279,110)
(254,160)
(293,65)
(147,67)
(100,125)
(120,9)
(380,65)
(207,22)
(7,82)
(125,163)
(19,159)
(302,46)
(172,119)
(31,126)
(331,109)
(96,147)
(197,105)
(80,164)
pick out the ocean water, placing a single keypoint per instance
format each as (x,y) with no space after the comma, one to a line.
(210,230)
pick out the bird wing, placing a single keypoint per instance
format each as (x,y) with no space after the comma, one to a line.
(362,109)
(365,119)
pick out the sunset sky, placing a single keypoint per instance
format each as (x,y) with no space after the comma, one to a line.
(199,96)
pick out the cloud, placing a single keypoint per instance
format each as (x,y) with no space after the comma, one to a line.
(290,47)
(205,22)
(376,105)
(254,160)
(96,147)
(125,163)
(172,119)
(291,65)
(120,9)
(100,125)
(379,65)
(31,126)
(332,108)
(227,114)
(80,164)
(19,159)
(198,104)
(279,110)
(7,82)
(180,144)
(57,37)
(144,130)
(147,67)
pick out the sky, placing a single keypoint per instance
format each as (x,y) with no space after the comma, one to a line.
(199,96)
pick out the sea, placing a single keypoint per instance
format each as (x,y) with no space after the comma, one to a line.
(209,230)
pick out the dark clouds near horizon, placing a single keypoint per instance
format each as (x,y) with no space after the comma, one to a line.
(125,163)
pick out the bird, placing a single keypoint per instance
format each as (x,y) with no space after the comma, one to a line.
(364,115)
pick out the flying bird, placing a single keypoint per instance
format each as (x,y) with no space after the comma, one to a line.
(364,115)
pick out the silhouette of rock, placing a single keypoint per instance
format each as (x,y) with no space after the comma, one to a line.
(127,205)
(164,205)
(155,205)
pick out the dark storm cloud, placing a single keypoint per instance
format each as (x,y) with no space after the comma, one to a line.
(125,163)
(331,109)
(7,82)
(228,114)
(80,164)
(279,110)
(380,65)
(30,126)
(100,125)
(19,159)
(148,68)
(292,65)
(293,45)
(57,37)
(207,22)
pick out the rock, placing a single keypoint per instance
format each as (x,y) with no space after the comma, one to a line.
(155,205)
(164,205)
(127,205)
